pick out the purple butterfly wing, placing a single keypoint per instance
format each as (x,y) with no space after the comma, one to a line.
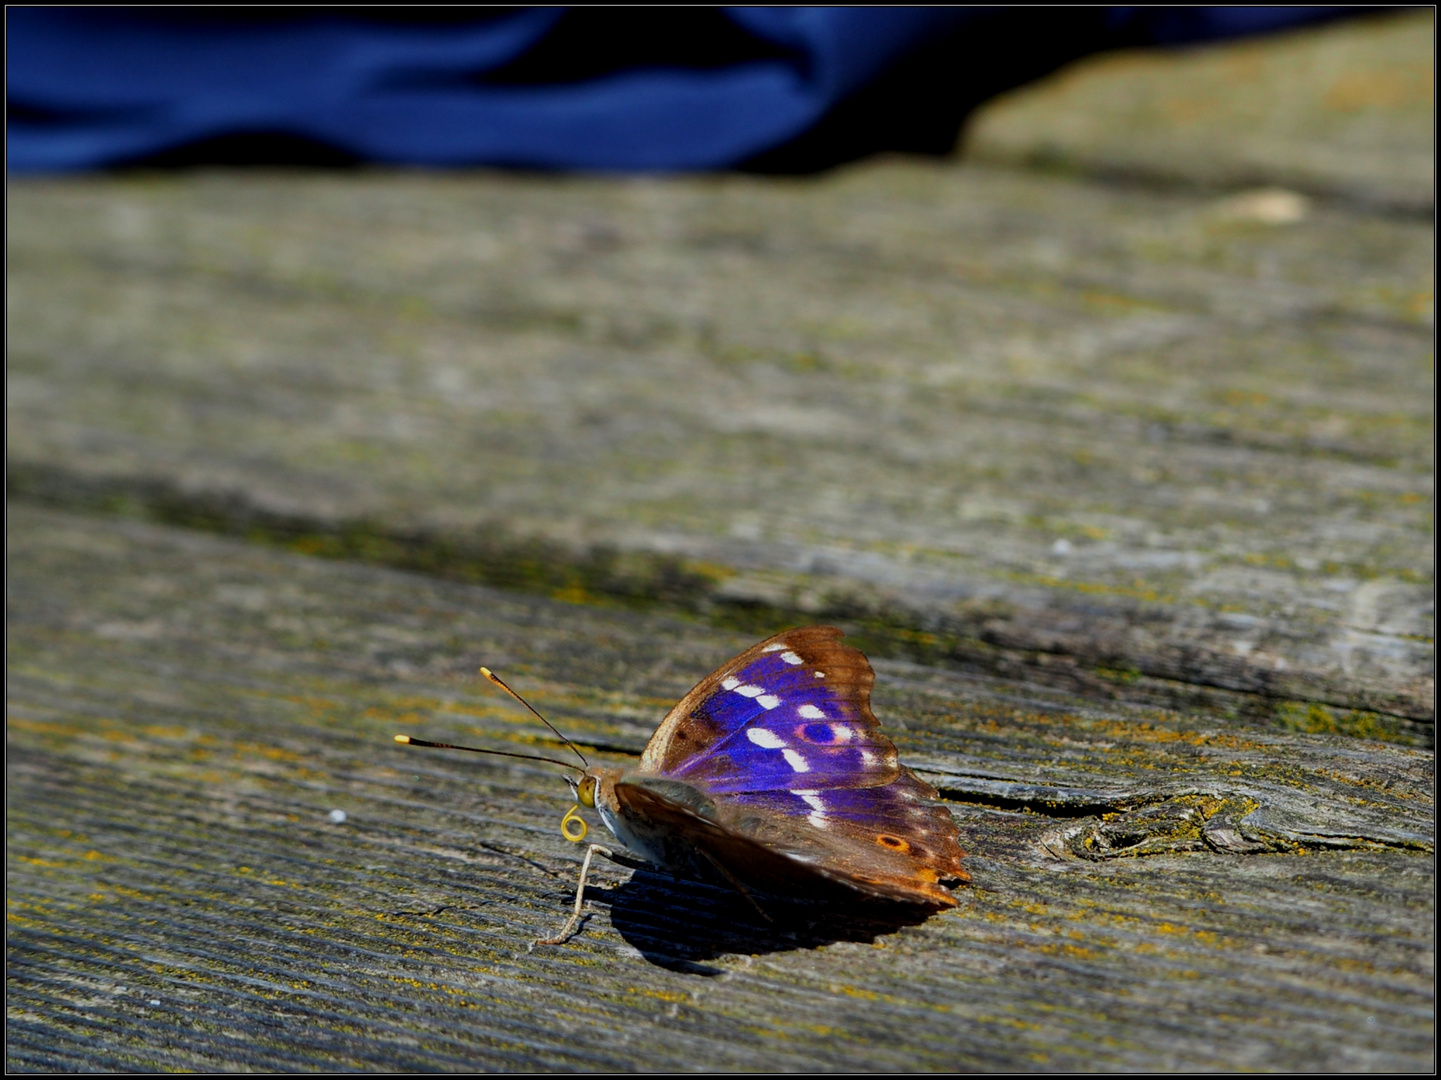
(784,739)
(792,712)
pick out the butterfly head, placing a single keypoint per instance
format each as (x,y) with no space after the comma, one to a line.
(582,788)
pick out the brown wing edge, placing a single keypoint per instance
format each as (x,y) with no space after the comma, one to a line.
(949,852)
(777,872)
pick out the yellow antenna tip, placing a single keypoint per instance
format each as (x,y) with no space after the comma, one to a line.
(402,738)
(487,672)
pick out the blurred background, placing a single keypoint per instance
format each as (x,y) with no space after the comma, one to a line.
(764,89)
(1121,377)
(1078,363)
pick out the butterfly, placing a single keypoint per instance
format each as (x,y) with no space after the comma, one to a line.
(774,775)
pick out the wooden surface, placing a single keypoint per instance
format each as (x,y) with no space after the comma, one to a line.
(1126,488)
(1346,111)
(186,711)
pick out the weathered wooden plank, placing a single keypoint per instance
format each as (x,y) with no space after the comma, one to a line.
(1141,444)
(1167,453)
(1346,110)
(185,711)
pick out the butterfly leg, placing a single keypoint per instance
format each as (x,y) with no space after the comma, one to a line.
(738,886)
(565,930)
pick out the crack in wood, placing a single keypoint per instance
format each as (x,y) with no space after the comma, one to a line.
(1024,643)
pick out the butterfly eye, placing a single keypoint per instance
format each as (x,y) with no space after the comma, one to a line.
(895,843)
(585,791)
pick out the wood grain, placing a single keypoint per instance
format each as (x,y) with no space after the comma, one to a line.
(1115,440)
(1121,473)
(1150,890)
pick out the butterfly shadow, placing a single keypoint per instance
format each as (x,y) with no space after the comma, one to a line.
(679,923)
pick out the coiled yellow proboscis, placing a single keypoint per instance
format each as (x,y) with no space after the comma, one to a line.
(573,826)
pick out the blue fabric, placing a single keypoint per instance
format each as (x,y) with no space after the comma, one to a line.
(94,87)
(1183,26)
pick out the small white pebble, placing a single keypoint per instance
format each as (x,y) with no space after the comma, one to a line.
(1061,547)
(1266,206)
(154,1001)
(337,817)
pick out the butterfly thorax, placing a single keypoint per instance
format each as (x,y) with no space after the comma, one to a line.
(657,841)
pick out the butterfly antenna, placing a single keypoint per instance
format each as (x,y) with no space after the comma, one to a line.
(493,677)
(406,739)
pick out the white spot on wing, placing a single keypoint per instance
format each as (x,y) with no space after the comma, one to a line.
(768,701)
(868,757)
(797,762)
(817,819)
(841,732)
(774,647)
(820,674)
(810,712)
(749,691)
(811,799)
(768,739)
(791,658)
(730,684)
